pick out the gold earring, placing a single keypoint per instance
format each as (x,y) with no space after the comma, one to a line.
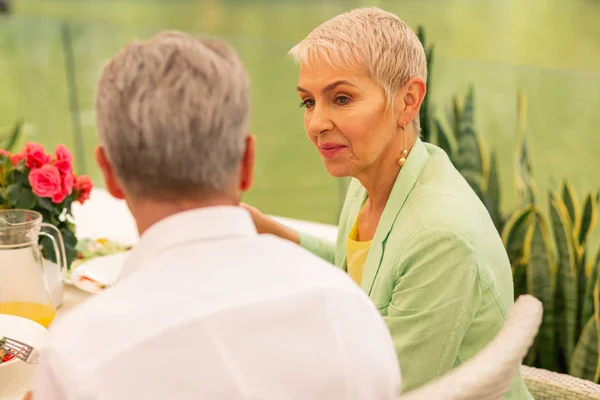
(402,159)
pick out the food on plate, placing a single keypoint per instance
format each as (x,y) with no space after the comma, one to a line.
(92,248)
(4,356)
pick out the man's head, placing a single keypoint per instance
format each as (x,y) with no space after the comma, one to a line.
(173,119)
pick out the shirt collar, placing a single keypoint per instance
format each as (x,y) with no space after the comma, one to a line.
(203,224)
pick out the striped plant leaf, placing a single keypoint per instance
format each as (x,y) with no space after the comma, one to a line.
(9,142)
(524,182)
(513,234)
(541,282)
(584,362)
(425,112)
(519,272)
(582,283)
(468,158)
(443,139)
(485,163)
(591,276)
(597,320)
(570,199)
(455,115)
(493,192)
(588,220)
(566,291)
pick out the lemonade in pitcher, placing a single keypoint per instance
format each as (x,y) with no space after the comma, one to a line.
(43,314)
(24,291)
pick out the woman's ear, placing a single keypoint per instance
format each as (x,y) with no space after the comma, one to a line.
(412,97)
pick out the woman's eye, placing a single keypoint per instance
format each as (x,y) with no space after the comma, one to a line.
(308,103)
(342,100)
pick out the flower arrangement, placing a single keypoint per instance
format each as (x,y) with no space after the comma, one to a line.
(35,180)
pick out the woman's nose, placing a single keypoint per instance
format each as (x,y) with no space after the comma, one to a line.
(319,121)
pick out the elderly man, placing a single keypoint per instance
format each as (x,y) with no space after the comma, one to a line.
(206,308)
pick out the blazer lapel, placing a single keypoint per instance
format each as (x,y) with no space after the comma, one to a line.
(404,184)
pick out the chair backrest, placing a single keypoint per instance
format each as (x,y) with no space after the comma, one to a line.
(546,385)
(488,375)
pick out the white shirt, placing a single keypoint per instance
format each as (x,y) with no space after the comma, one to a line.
(209,309)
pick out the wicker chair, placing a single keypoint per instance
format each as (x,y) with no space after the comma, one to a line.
(488,375)
(546,385)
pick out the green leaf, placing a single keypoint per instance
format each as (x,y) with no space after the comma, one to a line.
(588,220)
(469,158)
(582,281)
(70,241)
(585,356)
(454,116)
(513,235)
(541,283)
(524,171)
(16,133)
(597,320)
(519,272)
(591,276)
(493,192)
(425,110)
(47,204)
(13,192)
(567,288)
(27,200)
(13,137)
(570,199)
(443,140)
(16,176)
(524,179)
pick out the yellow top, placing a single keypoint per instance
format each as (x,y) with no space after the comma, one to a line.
(356,254)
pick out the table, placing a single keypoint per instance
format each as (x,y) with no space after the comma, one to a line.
(72,298)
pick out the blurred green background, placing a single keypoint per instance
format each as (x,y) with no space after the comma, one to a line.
(548,48)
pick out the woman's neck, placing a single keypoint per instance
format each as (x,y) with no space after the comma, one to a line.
(379,179)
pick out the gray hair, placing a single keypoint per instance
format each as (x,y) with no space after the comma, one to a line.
(173,115)
(378,40)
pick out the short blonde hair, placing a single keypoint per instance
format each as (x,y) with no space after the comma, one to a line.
(378,40)
(173,115)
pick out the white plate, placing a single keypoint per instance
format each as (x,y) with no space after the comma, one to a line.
(15,375)
(91,276)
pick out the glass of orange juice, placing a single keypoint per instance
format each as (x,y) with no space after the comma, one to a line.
(24,290)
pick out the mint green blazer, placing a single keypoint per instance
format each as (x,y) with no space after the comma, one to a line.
(437,269)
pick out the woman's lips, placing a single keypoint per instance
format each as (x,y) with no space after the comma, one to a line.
(330,150)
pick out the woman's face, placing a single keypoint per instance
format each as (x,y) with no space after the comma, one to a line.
(346,119)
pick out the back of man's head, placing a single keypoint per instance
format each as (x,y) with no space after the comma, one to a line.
(173,116)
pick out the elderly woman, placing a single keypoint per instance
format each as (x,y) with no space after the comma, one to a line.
(412,233)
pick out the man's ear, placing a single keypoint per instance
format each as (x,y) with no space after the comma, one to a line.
(110,179)
(247,168)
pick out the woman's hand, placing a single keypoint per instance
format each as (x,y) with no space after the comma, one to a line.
(260,219)
(267,225)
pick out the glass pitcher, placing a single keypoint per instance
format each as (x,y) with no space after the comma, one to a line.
(24,290)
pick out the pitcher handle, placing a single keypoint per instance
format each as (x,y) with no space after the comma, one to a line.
(59,248)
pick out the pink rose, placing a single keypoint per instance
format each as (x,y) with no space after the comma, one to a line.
(29,147)
(59,197)
(15,159)
(83,188)
(67,183)
(45,181)
(64,166)
(4,152)
(36,158)
(63,154)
